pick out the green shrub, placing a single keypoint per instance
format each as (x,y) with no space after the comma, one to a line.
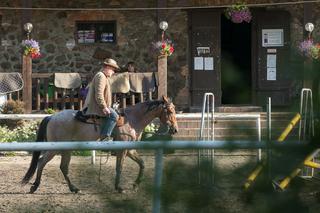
(12,107)
(81,153)
(6,135)
(26,132)
(49,111)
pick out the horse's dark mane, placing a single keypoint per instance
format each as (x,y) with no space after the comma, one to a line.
(153,104)
(150,105)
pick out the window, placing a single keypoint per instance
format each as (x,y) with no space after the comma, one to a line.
(96,32)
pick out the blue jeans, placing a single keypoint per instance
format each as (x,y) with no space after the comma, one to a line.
(108,123)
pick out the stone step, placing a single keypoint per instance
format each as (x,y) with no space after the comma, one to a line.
(235,128)
(238,124)
(230,108)
(239,108)
(228,138)
(236,132)
(195,116)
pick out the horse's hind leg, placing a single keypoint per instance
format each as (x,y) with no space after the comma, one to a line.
(133,154)
(46,157)
(120,159)
(64,166)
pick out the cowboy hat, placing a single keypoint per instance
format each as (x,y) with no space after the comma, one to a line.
(112,63)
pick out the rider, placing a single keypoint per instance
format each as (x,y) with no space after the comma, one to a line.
(99,99)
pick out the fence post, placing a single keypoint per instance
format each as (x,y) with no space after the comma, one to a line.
(162,76)
(27,80)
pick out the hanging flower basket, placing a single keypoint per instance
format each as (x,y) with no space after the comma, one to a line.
(309,49)
(164,47)
(31,48)
(238,13)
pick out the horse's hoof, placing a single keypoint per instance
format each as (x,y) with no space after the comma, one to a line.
(120,190)
(75,190)
(135,187)
(32,189)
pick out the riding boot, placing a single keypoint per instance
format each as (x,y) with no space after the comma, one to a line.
(108,138)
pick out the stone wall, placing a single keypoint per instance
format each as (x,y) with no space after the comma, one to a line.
(136,30)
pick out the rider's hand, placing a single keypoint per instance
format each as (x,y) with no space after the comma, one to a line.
(106,111)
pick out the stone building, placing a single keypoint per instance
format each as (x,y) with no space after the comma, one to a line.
(236,62)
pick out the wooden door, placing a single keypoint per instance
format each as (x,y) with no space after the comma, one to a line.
(205,55)
(271,56)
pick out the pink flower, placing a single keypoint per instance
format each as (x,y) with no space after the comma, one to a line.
(238,13)
(309,49)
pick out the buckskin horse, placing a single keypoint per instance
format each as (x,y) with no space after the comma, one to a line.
(62,126)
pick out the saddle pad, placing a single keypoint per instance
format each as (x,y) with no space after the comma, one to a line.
(142,82)
(10,82)
(120,83)
(67,80)
(80,116)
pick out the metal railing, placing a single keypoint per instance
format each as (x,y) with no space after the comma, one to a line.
(306,125)
(206,156)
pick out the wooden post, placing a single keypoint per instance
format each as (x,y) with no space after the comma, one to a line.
(27,80)
(162,76)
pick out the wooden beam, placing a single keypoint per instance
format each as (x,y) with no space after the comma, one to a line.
(27,81)
(162,76)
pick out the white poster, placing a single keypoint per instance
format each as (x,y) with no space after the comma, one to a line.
(271,74)
(272,60)
(271,67)
(272,37)
(198,63)
(208,63)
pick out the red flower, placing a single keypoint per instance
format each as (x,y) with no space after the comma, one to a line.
(35,55)
(164,47)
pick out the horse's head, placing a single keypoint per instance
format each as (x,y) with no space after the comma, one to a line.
(168,115)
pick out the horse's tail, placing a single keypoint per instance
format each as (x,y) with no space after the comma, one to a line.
(41,136)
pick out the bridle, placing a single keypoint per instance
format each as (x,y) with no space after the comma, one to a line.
(168,117)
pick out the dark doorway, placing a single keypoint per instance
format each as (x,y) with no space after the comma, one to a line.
(236,78)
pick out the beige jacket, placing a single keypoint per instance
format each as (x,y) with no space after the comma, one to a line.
(99,95)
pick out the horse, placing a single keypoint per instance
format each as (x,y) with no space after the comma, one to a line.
(62,126)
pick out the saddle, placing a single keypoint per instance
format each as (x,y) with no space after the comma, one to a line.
(92,119)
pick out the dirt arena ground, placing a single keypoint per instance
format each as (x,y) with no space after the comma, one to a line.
(181,193)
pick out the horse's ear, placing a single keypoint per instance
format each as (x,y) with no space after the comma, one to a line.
(165,99)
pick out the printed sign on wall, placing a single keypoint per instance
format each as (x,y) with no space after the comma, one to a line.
(203,63)
(198,63)
(271,67)
(272,37)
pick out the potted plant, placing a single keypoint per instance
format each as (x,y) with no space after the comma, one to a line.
(164,47)
(238,13)
(309,49)
(31,48)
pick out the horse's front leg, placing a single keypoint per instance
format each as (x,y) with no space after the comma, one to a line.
(133,154)
(119,165)
(64,167)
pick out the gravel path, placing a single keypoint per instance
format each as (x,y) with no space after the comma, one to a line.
(181,192)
